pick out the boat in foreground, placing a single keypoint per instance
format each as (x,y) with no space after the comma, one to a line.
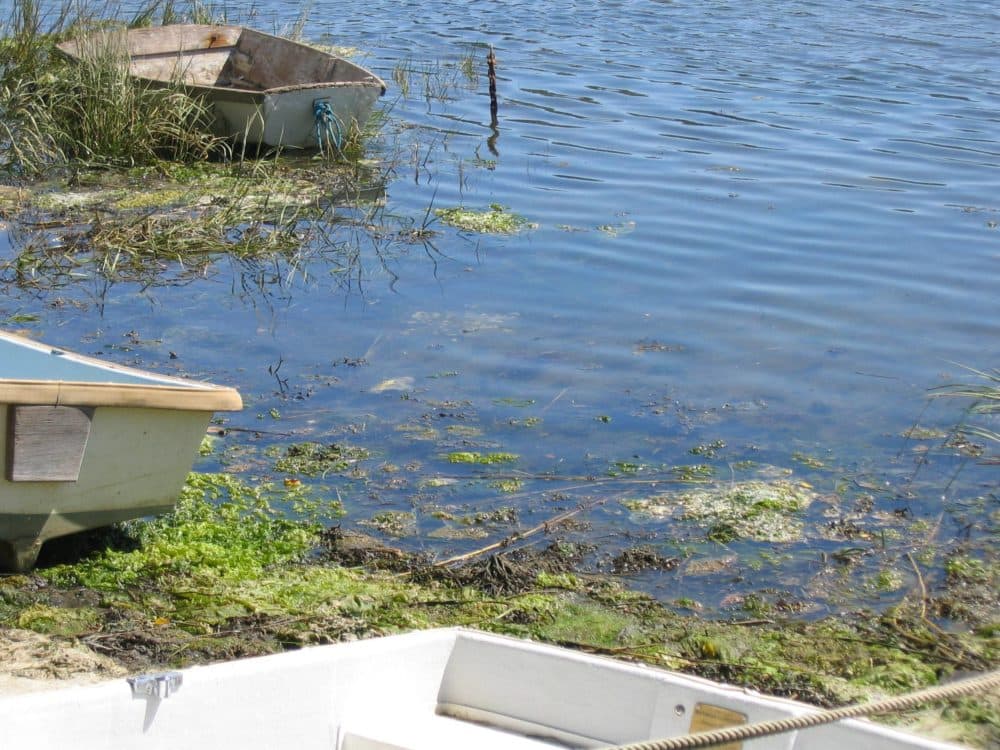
(264,89)
(449,689)
(86,443)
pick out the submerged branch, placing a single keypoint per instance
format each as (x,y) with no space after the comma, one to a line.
(520,535)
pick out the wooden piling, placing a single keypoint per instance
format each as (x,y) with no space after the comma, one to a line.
(491,62)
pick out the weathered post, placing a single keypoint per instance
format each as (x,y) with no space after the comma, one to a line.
(491,63)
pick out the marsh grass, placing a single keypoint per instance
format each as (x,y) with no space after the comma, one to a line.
(984,403)
(25,40)
(169,223)
(169,12)
(93,112)
(437,80)
(467,64)
(173,228)
(90,111)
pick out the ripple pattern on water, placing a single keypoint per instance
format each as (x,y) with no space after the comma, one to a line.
(773,221)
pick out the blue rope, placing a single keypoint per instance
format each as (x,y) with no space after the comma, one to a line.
(328,127)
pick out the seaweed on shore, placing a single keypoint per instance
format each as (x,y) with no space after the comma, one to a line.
(227,576)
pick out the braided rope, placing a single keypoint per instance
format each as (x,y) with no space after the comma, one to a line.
(328,126)
(749,731)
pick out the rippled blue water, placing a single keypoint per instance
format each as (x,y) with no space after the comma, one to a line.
(773,224)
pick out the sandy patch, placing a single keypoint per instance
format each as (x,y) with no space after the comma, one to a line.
(30,661)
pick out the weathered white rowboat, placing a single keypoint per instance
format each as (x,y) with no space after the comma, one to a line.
(449,689)
(86,443)
(264,89)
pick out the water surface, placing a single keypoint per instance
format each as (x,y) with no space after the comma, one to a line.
(770,225)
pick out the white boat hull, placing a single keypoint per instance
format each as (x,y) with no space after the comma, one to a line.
(85,443)
(286,118)
(434,690)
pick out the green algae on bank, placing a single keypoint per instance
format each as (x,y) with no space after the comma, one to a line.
(227,575)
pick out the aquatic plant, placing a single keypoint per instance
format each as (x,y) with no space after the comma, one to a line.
(44,618)
(763,511)
(170,221)
(396,523)
(472,457)
(497,220)
(313,459)
(984,403)
(507,485)
(693,472)
(437,80)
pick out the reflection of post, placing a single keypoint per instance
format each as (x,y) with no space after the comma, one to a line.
(491,62)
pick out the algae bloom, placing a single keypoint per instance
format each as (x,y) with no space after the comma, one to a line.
(757,510)
(497,220)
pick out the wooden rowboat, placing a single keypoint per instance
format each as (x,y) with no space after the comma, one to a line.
(86,443)
(264,89)
(449,689)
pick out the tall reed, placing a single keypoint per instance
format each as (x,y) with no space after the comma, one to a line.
(54,111)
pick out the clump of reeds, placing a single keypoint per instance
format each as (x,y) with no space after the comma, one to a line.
(54,111)
(437,81)
(169,223)
(21,55)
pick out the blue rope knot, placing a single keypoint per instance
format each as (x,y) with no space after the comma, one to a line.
(329,129)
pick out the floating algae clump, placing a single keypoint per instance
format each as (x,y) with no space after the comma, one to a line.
(498,220)
(395,523)
(313,459)
(762,511)
(472,457)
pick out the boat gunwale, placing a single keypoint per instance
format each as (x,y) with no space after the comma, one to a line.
(277,90)
(196,397)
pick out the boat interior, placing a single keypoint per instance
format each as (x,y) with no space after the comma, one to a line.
(223,57)
(26,360)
